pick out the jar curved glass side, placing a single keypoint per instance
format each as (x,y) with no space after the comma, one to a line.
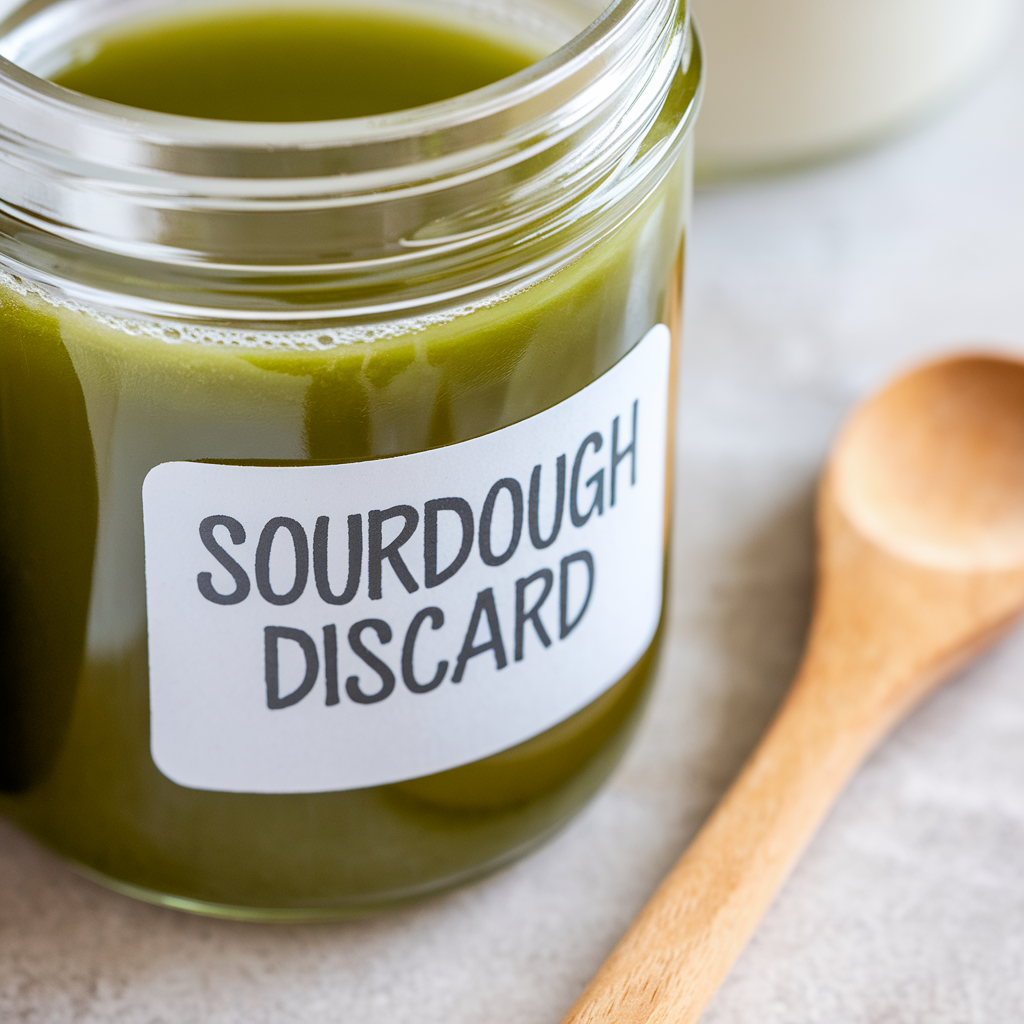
(101,384)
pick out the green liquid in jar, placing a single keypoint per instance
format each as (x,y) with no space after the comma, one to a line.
(89,407)
(289,66)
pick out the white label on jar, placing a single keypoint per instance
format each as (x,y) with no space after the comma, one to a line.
(319,628)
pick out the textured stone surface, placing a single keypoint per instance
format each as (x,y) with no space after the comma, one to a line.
(804,292)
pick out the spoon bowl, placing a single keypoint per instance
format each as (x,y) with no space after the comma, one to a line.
(920,565)
(932,469)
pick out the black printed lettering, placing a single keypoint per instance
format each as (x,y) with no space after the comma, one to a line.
(533,615)
(578,519)
(205,579)
(387,677)
(378,552)
(331,664)
(263,549)
(534,506)
(432,577)
(436,617)
(565,627)
(487,515)
(272,635)
(484,607)
(321,575)
(618,456)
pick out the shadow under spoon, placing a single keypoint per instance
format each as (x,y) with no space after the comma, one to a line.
(920,566)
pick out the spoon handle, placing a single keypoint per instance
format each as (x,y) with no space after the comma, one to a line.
(883,634)
(679,950)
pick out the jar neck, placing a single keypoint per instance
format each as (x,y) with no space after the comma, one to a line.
(367,218)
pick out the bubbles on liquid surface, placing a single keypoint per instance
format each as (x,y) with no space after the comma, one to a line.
(313,339)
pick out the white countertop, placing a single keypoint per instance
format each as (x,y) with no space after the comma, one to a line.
(803,293)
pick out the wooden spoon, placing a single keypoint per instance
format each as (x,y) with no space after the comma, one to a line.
(920,565)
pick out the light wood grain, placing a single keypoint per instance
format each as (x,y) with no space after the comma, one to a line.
(920,565)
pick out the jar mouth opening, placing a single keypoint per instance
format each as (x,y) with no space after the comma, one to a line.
(436,205)
(174,130)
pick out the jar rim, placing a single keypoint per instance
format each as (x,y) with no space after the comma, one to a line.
(175,129)
(465,194)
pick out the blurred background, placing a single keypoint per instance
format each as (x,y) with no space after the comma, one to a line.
(792,81)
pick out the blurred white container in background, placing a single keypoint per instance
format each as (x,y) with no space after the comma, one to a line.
(796,80)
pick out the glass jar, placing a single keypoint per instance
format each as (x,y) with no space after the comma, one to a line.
(373,417)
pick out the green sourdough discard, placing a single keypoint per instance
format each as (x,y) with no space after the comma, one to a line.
(89,406)
(289,66)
